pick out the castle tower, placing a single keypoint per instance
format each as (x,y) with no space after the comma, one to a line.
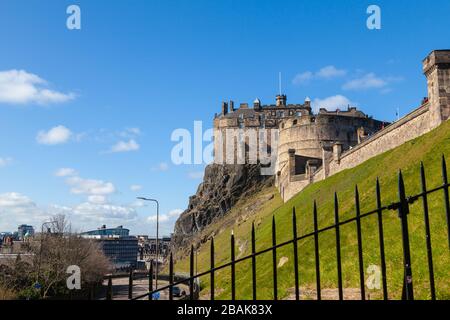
(281,100)
(257,104)
(224,108)
(436,68)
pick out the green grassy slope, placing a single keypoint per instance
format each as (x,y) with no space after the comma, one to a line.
(428,148)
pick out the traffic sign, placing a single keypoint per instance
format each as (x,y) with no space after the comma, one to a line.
(156,296)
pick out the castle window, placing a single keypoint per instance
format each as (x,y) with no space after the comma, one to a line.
(294,122)
(262,121)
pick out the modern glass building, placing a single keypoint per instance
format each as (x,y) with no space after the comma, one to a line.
(117,245)
(104,231)
(25,231)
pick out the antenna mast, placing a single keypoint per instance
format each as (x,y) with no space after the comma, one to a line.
(279,81)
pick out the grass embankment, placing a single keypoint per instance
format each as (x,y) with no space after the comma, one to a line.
(428,148)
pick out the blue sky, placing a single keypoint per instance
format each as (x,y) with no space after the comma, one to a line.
(137,70)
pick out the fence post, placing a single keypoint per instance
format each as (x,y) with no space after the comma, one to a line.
(150,281)
(233,269)
(360,246)
(109,290)
(92,292)
(130,284)
(253,262)
(191,274)
(381,239)
(294,231)
(427,231)
(446,197)
(316,251)
(338,246)
(403,211)
(212,269)
(274,260)
(171,277)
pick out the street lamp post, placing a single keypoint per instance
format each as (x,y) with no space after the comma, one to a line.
(157,236)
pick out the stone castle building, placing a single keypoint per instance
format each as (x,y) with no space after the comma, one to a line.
(312,146)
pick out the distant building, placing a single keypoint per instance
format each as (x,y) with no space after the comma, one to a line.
(117,245)
(103,231)
(25,231)
(147,247)
(4,235)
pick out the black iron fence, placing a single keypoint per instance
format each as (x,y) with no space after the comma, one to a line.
(402,206)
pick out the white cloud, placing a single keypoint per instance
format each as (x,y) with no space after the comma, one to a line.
(130,133)
(97,199)
(175,213)
(102,212)
(96,191)
(329,72)
(162,218)
(5,162)
(138,204)
(171,216)
(90,186)
(302,78)
(21,87)
(325,73)
(135,187)
(125,146)
(16,208)
(88,215)
(14,199)
(195,175)
(332,103)
(367,81)
(65,172)
(54,136)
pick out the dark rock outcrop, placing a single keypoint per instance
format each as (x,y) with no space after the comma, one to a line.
(222,187)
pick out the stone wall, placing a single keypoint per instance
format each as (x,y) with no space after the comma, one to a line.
(307,135)
(409,127)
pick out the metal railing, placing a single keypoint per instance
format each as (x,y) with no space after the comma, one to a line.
(402,206)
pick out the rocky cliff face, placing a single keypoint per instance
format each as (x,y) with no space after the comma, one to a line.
(222,187)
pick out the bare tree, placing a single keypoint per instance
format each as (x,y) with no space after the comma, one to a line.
(61,249)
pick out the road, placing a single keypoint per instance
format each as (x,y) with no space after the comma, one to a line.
(140,287)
